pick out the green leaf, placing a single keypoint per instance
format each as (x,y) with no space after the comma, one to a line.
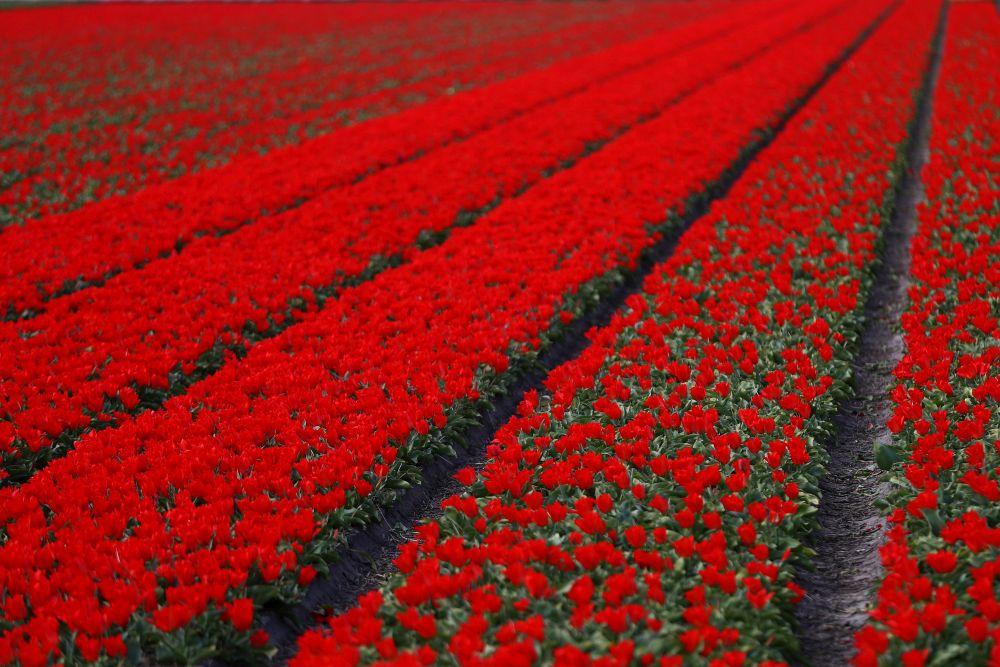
(934,519)
(886,456)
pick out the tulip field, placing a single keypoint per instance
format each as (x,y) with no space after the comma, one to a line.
(655,333)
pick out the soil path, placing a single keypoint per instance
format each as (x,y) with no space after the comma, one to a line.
(840,590)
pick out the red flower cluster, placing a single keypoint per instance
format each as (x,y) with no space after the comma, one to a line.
(937,601)
(59,252)
(240,488)
(293,73)
(650,510)
(79,363)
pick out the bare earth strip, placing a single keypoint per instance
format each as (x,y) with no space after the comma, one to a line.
(840,591)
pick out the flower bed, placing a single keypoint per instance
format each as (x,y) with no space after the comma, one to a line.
(162,534)
(119,143)
(936,603)
(92,354)
(63,253)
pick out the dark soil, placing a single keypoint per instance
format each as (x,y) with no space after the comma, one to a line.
(840,591)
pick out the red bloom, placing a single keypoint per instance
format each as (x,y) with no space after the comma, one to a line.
(942,561)
(240,613)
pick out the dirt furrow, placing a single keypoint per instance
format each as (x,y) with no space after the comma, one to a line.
(839,592)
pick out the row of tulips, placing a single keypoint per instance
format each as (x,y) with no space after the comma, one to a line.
(63,58)
(649,509)
(166,534)
(155,65)
(126,144)
(147,334)
(64,253)
(937,602)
